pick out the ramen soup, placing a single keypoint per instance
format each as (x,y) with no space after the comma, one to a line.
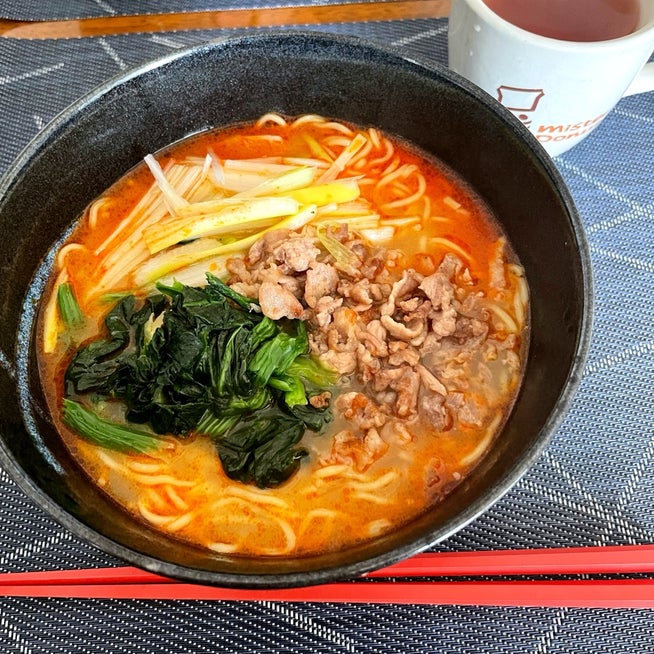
(283,338)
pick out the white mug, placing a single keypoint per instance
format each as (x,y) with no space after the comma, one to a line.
(561,90)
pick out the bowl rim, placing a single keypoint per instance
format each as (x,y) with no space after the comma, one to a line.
(471,512)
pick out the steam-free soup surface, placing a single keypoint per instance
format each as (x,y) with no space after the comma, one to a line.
(283,338)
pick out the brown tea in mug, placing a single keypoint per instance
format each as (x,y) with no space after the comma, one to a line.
(571,20)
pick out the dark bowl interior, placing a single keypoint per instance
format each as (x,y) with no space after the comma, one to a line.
(94,142)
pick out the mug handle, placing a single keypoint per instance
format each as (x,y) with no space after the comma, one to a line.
(644,81)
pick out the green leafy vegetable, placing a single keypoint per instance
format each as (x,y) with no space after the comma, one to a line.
(206,360)
(105,433)
(276,355)
(69,310)
(261,447)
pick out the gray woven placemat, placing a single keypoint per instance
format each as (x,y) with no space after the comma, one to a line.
(594,484)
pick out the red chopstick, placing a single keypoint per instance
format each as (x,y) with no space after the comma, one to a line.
(621,559)
(634,593)
(134,583)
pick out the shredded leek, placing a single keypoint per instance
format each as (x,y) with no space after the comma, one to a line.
(324,194)
(173,199)
(246,214)
(175,262)
(340,252)
(343,159)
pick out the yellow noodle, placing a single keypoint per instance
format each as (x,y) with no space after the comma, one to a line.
(338,141)
(270,118)
(369,497)
(110,462)
(285,527)
(400,188)
(323,124)
(331,471)
(451,202)
(374,137)
(321,513)
(402,221)
(227,501)
(391,166)
(179,523)
(159,480)
(523,290)
(403,171)
(308,118)
(94,211)
(427,207)
(256,496)
(482,446)
(450,245)
(63,253)
(156,500)
(339,127)
(289,536)
(375,484)
(378,527)
(173,495)
(223,548)
(505,318)
(353,474)
(396,204)
(152,517)
(147,468)
(389,150)
(519,310)
(316,514)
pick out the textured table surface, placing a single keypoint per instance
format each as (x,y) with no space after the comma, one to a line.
(594,485)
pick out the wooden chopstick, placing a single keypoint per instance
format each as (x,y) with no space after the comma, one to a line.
(631,593)
(226,18)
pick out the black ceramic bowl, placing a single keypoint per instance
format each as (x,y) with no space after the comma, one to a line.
(103,135)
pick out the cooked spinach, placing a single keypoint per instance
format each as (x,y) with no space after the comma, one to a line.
(205,360)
